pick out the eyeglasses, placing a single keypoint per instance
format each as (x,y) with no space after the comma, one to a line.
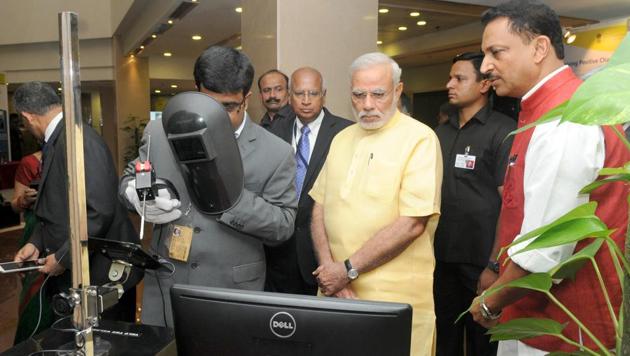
(310,93)
(232,107)
(377,94)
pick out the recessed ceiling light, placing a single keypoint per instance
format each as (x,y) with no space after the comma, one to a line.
(421,23)
(383,10)
(571,38)
(196,37)
(132,56)
(239,48)
(402,28)
(194,0)
(157,91)
(154,36)
(239,9)
(414,14)
(168,54)
(59,88)
(379,42)
(141,47)
(174,86)
(170,22)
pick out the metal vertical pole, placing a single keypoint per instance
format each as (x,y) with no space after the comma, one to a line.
(71,83)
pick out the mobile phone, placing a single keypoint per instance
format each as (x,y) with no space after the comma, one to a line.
(10,267)
(34,184)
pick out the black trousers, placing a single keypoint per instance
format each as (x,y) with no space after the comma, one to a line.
(283,271)
(454,288)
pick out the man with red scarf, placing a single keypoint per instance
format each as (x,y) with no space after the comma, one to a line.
(548,166)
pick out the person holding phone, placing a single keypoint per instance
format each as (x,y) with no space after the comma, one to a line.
(26,187)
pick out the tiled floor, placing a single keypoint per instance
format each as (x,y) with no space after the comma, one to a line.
(9,290)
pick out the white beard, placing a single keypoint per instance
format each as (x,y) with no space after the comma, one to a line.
(377,124)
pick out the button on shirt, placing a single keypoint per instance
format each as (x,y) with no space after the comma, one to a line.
(470,200)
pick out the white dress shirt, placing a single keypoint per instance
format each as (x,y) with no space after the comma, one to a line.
(312,136)
(52,126)
(561,159)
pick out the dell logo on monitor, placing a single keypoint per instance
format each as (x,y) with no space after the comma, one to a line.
(282,325)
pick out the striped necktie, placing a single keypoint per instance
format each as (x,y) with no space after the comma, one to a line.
(301,156)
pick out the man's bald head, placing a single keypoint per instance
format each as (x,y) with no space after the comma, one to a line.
(307,93)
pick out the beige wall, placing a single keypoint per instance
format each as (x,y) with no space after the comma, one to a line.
(424,79)
(132,99)
(29,21)
(327,35)
(259,40)
(40,61)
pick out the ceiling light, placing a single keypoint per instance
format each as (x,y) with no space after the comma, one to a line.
(174,86)
(157,91)
(383,10)
(168,54)
(154,36)
(59,88)
(170,22)
(421,23)
(402,28)
(194,0)
(141,47)
(379,42)
(569,36)
(239,9)
(414,14)
(132,56)
(196,37)
(239,48)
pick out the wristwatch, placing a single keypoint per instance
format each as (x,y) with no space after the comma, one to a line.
(352,272)
(493,266)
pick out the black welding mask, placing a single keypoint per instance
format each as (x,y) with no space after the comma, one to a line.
(202,140)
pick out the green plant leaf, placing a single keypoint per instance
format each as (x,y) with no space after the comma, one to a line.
(598,183)
(602,99)
(574,353)
(568,232)
(551,115)
(622,53)
(584,210)
(540,282)
(614,171)
(525,328)
(569,268)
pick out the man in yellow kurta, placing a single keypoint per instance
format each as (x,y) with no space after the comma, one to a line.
(377,201)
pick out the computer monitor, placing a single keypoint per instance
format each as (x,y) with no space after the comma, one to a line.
(217,321)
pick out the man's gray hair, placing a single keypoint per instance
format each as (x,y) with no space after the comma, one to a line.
(375,58)
(35,98)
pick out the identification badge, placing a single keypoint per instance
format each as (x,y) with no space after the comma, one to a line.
(181,239)
(465,161)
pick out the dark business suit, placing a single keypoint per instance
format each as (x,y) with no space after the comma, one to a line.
(290,265)
(106,216)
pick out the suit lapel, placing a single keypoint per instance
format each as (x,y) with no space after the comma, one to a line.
(50,154)
(247,136)
(286,130)
(319,151)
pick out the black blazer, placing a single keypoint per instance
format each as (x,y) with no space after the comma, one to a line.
(301,239)
(107,218)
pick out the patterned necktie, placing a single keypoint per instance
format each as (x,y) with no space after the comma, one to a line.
(301,156)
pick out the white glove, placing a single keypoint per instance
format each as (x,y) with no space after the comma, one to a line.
(162,210)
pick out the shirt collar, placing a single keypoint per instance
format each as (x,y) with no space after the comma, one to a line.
(239,130)
(52,126)
(543,81)
(482,116)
